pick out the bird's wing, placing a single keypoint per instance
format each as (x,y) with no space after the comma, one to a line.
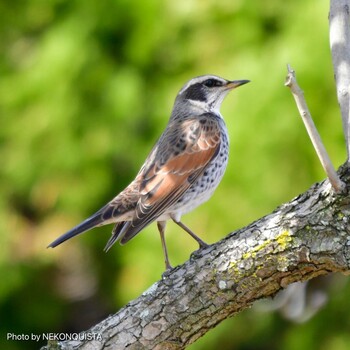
(181,156)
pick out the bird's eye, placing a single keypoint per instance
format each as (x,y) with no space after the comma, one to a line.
(211,83)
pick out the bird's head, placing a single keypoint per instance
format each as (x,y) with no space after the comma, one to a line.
(207,92)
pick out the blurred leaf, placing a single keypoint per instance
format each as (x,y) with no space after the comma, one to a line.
(86,89)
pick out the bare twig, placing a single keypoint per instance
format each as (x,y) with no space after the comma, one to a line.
(298,95)
(339,36)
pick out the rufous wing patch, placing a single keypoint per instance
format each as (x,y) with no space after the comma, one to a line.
(163,183)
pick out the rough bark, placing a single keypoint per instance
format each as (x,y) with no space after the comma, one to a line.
(302,239)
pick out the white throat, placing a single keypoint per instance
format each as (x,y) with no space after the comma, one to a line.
(204,106)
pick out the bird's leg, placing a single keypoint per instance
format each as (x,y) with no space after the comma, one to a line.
(191,233)
(161,229)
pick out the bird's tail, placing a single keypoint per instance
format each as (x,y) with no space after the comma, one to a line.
(117,233)
(91,222)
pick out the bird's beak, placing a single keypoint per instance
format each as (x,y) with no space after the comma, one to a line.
(235,83)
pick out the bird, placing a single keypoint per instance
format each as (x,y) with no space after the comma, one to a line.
(181,172)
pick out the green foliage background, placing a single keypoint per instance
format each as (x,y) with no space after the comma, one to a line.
(87,86)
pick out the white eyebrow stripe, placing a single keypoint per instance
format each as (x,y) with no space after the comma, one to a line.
(200,79)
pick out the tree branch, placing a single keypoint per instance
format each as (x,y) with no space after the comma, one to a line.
(322,154)
(302,239)
(305,238)
(339,35)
